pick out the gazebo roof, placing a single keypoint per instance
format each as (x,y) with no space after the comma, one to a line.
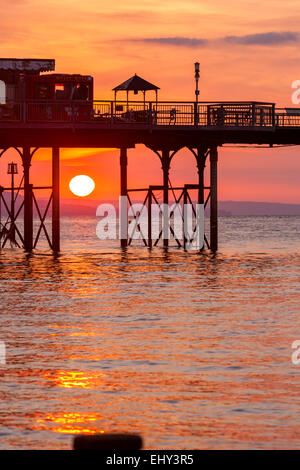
(136,83)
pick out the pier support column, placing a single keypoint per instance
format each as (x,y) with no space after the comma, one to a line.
(123,220)
(12,206)
(55,201)
(201,158)
(214,198)
(165,160)
(28,208)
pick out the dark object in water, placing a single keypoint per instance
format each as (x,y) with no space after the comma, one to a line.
(8,234)
(108,442)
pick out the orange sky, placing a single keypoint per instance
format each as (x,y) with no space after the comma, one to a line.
(248,50)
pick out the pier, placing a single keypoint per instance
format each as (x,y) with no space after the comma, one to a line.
(165,127)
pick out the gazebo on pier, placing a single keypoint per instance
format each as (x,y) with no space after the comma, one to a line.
(136,84)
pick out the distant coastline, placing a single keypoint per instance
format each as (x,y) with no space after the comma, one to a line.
(87,207)
(226,208)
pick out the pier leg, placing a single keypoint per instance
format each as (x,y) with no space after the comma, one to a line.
(166,169)
(150,218)
(12,207)
(28,209)
(185,202)
(123,210)
(55,201)
(213,199)
(201,158)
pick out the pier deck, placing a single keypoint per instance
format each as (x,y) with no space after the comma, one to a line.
(119,123)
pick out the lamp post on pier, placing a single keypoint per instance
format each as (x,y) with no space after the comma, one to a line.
(197,76)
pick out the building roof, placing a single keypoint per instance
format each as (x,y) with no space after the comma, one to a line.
(136,83)
(63,77)
(27,65)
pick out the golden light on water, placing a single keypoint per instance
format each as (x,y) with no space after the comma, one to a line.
(71,423)
(76,379)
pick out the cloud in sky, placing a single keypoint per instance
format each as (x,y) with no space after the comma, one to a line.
(175,41)
(264,39)
(260,39)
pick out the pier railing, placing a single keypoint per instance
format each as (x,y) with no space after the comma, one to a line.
(287,117)
(152,114)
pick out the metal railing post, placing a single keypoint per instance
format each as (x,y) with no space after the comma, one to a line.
(150,114)
(73,114)
(24,112)
(208,114)
(196,117)
(253,110)
(111,112)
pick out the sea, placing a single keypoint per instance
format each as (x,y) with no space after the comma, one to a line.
(190,350)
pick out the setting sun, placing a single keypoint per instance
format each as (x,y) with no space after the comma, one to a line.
(82,185)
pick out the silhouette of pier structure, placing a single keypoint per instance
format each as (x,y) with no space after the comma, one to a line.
(59,111)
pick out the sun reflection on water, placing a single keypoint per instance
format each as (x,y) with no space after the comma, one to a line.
(69,423)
